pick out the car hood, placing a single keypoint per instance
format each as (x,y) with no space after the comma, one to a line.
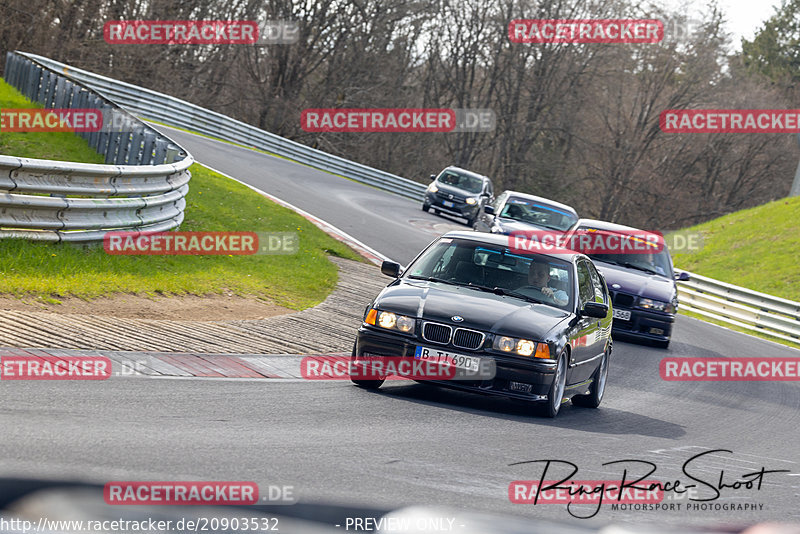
(639,283)
(500,314)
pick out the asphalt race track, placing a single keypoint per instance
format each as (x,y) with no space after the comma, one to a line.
(410,443)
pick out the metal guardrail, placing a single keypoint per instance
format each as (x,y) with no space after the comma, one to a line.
(179,113)
(742,307)
(141,187)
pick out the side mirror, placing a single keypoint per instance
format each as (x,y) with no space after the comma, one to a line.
(433,177)
(390,268)
(683,277)
(489,210)
(595,309)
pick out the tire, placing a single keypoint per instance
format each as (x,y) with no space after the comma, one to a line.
(598,388)
(366,384)
(556,392)
(471,223)
(426,207)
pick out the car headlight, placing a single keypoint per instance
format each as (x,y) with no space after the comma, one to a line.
(472,201)
(523,347)
(432,188)
(390,321)
(657,305)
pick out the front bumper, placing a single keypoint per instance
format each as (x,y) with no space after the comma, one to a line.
(535,376)
(643,324)
(459,208)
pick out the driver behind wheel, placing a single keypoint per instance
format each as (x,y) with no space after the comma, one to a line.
(539,278)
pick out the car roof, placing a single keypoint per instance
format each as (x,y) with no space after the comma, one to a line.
(605,225)
(500,239)
(465,171)
(542,200)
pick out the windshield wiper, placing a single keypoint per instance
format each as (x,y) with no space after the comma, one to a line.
(626,264)
(501,291)
(512,293)
(639,267)
(434,279)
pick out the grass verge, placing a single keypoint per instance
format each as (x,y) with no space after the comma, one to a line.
(755,248)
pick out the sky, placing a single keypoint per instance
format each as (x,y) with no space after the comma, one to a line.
(744,17)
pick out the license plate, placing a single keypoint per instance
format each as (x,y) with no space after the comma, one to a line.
(448,204)
(625,315)
(460,361)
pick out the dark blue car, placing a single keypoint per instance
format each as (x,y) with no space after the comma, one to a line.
(642,287)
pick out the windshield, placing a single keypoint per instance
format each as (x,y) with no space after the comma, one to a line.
(653,263)
(532,212)
(531,277)
(471,184)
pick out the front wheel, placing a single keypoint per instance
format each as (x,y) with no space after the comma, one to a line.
(556,392)
(598,388)
(426,206)
(366,384)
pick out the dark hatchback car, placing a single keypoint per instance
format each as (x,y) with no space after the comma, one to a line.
(544,321)
(513,212)
(458,192)
(642,288)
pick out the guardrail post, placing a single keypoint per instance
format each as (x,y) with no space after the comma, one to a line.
(123,150)
(13,74)
(61,93)
(32,87)
(51,91)
(160,152)
(40,96)
(135,154)
(172,154)
(10,70)
(93,102)
(148,147)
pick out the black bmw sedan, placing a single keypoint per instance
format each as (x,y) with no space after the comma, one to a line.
(543,321)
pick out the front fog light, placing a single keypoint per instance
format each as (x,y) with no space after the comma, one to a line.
(387,319)
(405,324)
(472,201)
(506,344)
